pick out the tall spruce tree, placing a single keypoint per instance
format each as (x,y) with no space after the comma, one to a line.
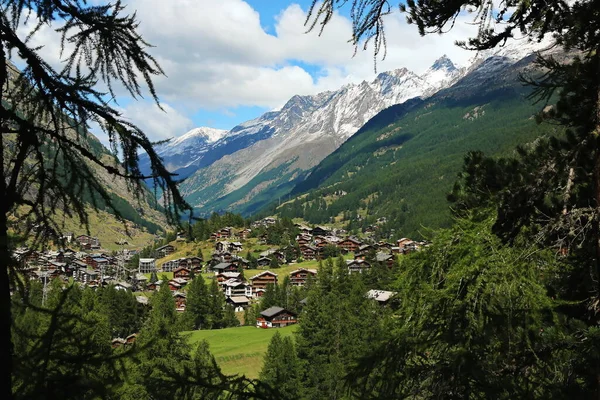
(197,307)
(281,369)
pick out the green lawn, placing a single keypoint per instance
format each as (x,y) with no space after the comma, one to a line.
(239,350)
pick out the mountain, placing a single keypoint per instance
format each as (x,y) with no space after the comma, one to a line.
(184,152)
(401,164)
(262,159)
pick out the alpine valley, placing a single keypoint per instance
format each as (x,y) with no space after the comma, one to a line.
(393,144)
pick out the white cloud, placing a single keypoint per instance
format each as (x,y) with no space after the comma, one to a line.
(156,123)
(218,56)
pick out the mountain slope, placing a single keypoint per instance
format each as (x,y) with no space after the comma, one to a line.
(402,163)
(298,137)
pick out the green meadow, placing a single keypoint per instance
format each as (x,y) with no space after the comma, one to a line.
(239,350)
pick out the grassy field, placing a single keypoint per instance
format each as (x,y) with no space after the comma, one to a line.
(239,350)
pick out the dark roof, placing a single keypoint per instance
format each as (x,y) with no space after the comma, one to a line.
(222,265)
(272,311)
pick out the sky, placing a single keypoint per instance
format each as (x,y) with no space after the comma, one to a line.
(228,61)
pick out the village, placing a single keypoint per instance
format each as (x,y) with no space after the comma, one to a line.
(243,281)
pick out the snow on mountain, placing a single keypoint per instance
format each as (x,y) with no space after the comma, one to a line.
(195,138)
(307,129)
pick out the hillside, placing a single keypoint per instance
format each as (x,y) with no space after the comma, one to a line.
(404,161)
(143,213)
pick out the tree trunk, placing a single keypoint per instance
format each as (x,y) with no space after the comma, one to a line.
(6,348)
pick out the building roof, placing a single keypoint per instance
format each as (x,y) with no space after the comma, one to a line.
(238,299)
(141,299)
(263,273)
(380,295)
(312,271)
(147,260)
(383,257)
(271,311)
(222,265)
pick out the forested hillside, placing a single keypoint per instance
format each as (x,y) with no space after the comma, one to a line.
(403,162)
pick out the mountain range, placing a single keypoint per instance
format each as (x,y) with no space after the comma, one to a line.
(264,159)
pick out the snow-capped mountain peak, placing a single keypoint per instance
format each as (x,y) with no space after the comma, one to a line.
(443,63)
(204,134)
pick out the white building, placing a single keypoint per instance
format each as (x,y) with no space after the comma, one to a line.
(147,265)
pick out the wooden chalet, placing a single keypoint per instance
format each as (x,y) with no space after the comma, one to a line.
(321,231)
(182,272)
(180,299)
(299,276)
(222,246)
(131,338)
(275,317)
(349,245)
(165,250)
(224,267)
(245,233)
(263,262)
(261,281)
(357,266)
(223,276)
(386,259)
(308,252)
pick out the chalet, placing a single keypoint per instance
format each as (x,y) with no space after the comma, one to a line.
(224,267)
(170,266)
(273,253)
(86,276)
(88,242)
(304,230)
(235,287)
(141,279)
(396,250)
(263,262)
(308,252)
(182,272)
(123,286)
(365,248)
(299,276)
(349,245)
(194,262)
(131,338)
(381,296)
(154,285)
(223,276)
(239,303)
(386,259)
(303,239)
(240,262)
(224,233)
(222,246)
(245,233)
(147,265)
(384,246)
(165,250)
(321,231)
(406,245)
(236,247)
(118,342)
(261,281)
(275,317)
(177,283)
(96,261)
(269,221)
(357,266)
(179,301)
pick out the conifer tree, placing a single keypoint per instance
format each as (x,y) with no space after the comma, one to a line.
(197,307)
(216,305)
(281,368)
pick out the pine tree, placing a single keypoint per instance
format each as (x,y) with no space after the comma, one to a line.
(197,307)
(216,306)
(281,369)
